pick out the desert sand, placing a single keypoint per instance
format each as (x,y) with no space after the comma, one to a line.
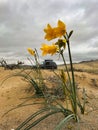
(15,90)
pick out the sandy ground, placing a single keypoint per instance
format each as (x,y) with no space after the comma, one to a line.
(14,90)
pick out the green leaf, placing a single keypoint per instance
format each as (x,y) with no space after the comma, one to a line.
(65,120)
(71,32)
(40,119)
(52,108)
(31,117)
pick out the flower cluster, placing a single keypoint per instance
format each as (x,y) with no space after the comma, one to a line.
(49,49)
(52,33)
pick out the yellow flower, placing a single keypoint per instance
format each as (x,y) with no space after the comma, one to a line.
(53,49)
(61,43)
(60,30)
(31,51)
(44,48)
(52,33)
(49,49)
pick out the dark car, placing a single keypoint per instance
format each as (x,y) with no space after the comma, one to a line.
(49,64)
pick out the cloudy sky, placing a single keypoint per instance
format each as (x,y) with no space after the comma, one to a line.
(22,23)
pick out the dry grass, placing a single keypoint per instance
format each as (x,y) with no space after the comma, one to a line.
(15,89)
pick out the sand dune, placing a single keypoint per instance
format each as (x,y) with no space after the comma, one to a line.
(15,89)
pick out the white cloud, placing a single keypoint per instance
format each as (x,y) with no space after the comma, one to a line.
(3,1)
(22,23)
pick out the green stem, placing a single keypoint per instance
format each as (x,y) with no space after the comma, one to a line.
(73,79)
(71,64)
(41,83)
(66,67)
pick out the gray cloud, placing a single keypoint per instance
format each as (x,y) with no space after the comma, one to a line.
(22,23)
